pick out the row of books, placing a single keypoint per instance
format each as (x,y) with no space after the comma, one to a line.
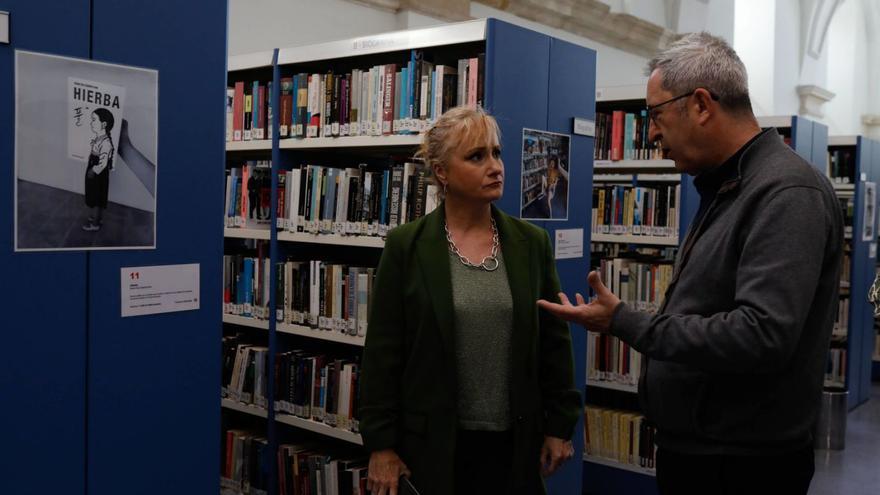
(841,324)
(602,250)
(249,195)
(621,436)
(248,112)
(317,387)
(247,284)
(381,100)
(318,294)
(609,359)
(634,210)
(641,284)
(841,166)
(308,385)
(245,463)
(305,470)
(835,368)
(245,372)
(845,271)
(326,200)
(624,136)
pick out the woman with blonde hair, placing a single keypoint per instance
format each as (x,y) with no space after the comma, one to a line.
(466,386)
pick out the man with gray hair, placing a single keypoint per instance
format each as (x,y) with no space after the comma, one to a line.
(735,357)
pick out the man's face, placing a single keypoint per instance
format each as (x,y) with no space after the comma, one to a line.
(672,126)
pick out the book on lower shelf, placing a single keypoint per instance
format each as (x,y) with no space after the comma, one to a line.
(303,467)
(245,464)
(620,436)
(317,387)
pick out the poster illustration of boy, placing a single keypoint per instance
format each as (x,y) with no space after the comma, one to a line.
(98,169)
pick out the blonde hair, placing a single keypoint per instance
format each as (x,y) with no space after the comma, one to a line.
(448,132)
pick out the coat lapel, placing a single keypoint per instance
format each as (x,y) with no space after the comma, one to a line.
(432,252)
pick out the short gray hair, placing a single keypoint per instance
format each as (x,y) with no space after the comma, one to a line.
(701,60)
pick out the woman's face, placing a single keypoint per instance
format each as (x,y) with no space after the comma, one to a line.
(474,170)
(96,125)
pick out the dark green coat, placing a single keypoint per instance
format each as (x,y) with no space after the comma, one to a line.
(408,382)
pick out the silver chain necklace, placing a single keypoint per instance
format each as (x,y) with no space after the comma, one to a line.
(489,263)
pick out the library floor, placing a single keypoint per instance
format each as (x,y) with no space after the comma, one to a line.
(856,469)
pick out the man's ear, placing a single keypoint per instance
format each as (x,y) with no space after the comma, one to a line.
(704,104)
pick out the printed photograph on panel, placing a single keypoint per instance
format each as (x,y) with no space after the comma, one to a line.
(85,154)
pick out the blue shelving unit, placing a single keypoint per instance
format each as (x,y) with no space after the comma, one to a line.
(96,404)
(860,334)
(531,81)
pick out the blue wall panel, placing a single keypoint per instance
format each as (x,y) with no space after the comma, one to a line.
(154,417)
(42,373)
(601,479)
(516,86)
(819,153)
(572,89)
(802,137)
(859,315)
(864,266)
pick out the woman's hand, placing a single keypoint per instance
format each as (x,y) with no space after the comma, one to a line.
(384,472)
(91,174)
(554,453)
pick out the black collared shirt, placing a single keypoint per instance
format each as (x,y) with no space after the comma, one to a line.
(709,182)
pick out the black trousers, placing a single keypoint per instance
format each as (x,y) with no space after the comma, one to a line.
(685,474)
(483,462)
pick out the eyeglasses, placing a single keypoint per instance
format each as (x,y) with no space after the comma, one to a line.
(651,108)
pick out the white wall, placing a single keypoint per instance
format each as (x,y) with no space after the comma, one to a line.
(258,25)
(613,67)
(786,57)
(847,70)
(754,32)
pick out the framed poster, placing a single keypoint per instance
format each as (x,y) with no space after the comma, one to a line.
(869,215)
(544,183)
(86,137)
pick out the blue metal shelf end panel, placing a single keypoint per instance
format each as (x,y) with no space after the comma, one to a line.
(606,480)
(154,380)
(516,90)
(42,374)
(802,137)
(819,152)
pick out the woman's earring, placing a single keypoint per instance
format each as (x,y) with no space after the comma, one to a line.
(445,188)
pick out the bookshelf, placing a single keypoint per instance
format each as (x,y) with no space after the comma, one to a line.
(856,161)
(644,170)
(258,234)
(244,408)
(809,139)
(559,73)
(603,461)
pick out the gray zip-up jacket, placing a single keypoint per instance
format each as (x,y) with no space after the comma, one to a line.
(736,355)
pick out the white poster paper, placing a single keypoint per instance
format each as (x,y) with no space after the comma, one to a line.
(148,290)
(86,154)
(84,99)
(569,243)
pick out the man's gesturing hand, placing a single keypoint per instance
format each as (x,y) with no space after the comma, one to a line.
(595,316)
